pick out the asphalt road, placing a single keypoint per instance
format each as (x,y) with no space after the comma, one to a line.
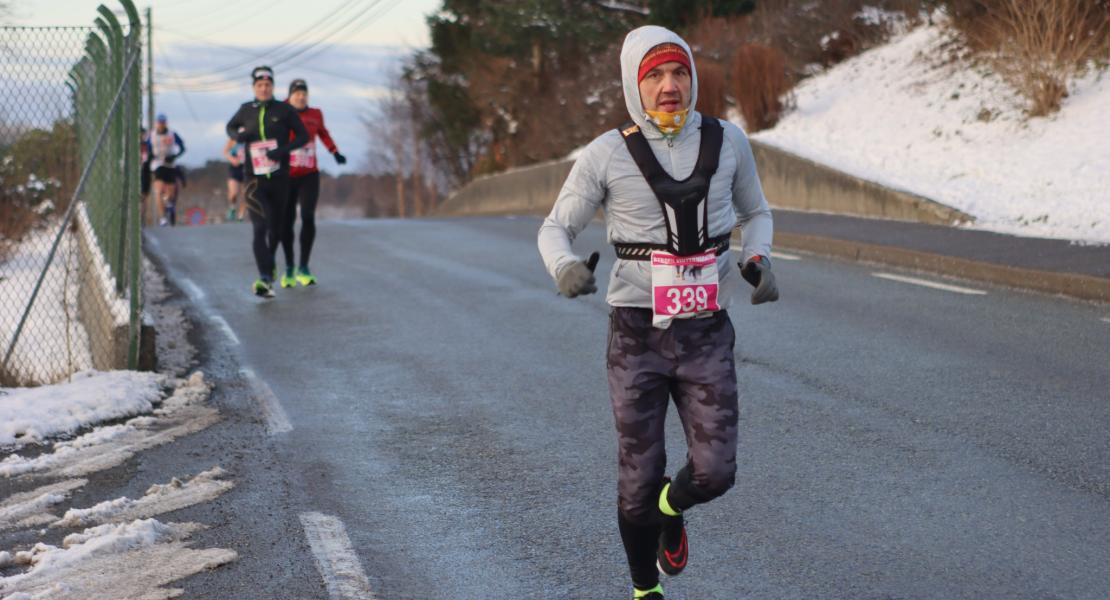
(897,441)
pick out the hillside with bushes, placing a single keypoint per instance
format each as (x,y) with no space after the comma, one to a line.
(513,83)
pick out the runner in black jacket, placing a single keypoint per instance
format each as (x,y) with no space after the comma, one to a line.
(264,126)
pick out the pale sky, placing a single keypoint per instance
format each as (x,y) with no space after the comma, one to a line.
(204,51)
(249,22)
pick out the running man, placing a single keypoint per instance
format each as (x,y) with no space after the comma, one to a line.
(233,152)
(673,184)
(263,126)
(304,188)
(144,174)
(165,147)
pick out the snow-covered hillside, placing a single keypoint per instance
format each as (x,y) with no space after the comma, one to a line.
(916,115)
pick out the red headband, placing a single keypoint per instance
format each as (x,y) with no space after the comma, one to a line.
(663,53)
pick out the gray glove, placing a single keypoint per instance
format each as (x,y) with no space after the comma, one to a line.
(757,272)
(578,279)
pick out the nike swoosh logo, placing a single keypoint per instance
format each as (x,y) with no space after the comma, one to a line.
(679,557)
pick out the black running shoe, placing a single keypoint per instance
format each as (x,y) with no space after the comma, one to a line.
(673,550)
(263,288)
(655,593)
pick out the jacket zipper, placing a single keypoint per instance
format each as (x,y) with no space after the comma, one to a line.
(262,127)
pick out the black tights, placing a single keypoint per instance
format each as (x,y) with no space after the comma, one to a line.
(690,363)
(266,199)
(304,191)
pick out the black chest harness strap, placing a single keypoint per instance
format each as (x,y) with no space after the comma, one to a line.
(685,203)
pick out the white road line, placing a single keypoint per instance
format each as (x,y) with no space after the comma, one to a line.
(228,331)
(277,421)
(784,256)
(335,557)
(1106,319)
(192,289)
(930,284)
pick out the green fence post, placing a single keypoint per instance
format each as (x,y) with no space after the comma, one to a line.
(134,231)
(117,157)
(99,53)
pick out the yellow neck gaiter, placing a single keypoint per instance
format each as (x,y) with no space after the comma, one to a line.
(670,123)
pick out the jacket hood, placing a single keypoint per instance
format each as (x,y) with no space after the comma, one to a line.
(636,45)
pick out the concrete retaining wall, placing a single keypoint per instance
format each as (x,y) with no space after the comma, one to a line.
(101,311)
(528,190)
(789,181)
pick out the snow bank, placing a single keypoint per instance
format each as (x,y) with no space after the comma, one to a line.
(917,115)
(183,413)
(34,414)
(29,509)
(128,560)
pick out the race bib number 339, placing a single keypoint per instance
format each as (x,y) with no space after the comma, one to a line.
(683,286)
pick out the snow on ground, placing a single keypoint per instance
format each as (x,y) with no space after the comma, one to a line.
(33,414)
(175,354)
(44,353)
(185,412)
(912,115)
(30,509)
(126,560)
(160,498)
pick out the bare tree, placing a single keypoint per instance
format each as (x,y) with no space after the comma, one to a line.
(398,124)
(390,126)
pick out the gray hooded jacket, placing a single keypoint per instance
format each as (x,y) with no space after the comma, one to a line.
(605,176)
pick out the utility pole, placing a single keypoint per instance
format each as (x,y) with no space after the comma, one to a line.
(147,211)
(149,71)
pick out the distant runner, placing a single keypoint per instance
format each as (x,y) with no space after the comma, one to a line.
(165,147)
(673,184)
(233,152)
(304,186)
(264,126)
(144,176)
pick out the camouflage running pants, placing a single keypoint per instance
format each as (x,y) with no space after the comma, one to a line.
(692,363)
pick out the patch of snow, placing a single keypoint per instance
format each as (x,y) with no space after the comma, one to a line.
(915,116)
(29,509)
(127,560)
(44,208)
(33,414)
(895,21)
(53,343)
(183,413)
(160,498)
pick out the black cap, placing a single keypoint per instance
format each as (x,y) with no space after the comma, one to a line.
(262,73)
(298,84)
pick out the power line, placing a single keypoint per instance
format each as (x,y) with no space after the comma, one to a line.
(270,4)
(223,84)
(370,19)
(188,104)
(268,53)
(196,16)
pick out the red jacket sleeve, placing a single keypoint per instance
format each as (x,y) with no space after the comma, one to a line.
(324,135)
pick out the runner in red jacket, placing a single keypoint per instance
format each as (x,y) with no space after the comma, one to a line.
(304,186)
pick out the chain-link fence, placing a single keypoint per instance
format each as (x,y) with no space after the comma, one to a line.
(70,253)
